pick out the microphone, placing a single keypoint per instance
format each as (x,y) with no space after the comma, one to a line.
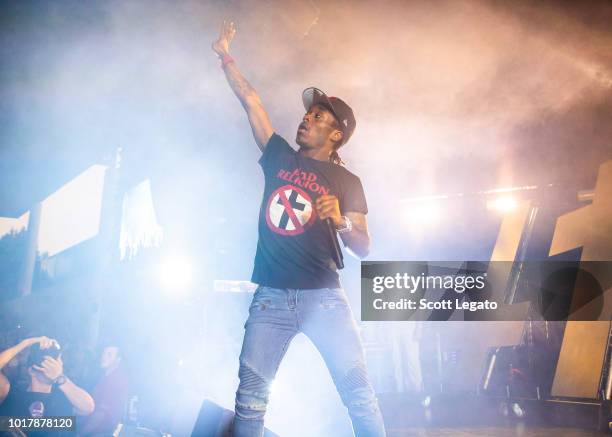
(336,252)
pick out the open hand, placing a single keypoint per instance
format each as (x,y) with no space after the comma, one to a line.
(221,45)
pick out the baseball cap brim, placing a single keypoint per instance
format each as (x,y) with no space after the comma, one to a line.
(312,96)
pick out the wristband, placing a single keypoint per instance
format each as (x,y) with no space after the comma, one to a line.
(60,380)
(348,226)
(226,59)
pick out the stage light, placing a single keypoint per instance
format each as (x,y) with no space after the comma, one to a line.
(518,410)
(175,273)
(426,402)
(503,204)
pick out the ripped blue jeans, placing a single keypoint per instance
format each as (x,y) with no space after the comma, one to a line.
(324,315)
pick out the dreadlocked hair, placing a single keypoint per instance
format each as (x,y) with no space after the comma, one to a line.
(334,158)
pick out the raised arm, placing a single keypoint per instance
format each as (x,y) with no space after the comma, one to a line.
(81,401)
(10,353)
(258,117)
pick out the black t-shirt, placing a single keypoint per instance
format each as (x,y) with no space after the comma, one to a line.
(20,402)
(293,250)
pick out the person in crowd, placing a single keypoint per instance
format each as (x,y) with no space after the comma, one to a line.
(110,394)
(49,391)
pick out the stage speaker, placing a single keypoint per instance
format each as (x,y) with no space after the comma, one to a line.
(216,421)
(135,431)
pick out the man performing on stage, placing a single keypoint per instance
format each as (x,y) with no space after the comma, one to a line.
(299,289)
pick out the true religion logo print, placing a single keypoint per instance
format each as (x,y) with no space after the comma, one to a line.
(289,211)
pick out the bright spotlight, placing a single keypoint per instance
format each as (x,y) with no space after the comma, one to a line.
(175,273)
(275,389)
(503,204)
(422,213)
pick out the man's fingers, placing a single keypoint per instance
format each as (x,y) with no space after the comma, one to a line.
(326,198)
(50,361)
(326,211)
(231,30)
(228,28)
(328,207)
(48,342)
(326,202)
(223,30)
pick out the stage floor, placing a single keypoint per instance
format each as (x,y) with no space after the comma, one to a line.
(518,430)
(479,416)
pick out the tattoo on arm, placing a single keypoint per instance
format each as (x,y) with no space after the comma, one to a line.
(249,99)
(358,240)
(241,87)
(258,117)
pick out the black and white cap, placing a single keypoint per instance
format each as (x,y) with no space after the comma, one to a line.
(338,107)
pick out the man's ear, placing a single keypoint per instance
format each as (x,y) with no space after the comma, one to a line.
(337,135)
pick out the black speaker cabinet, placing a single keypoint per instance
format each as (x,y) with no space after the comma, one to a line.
(216,421)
